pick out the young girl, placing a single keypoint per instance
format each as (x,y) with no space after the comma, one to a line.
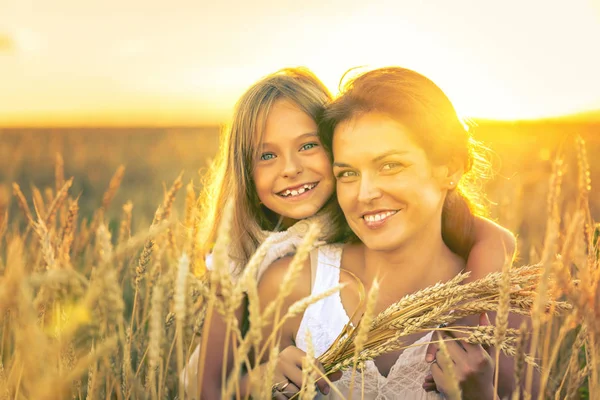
(274,169)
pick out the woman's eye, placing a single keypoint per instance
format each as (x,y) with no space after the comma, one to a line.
(267,156)
(390,166)
(346,174)
(308,146)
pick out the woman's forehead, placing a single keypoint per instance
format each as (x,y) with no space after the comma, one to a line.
(372,132)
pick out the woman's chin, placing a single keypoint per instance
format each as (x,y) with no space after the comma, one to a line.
(381,244)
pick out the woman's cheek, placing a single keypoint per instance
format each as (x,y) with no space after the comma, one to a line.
(344,194)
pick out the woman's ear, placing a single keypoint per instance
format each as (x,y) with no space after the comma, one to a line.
(454,171)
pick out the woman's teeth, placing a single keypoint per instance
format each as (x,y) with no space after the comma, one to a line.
(379,216)
(296,192)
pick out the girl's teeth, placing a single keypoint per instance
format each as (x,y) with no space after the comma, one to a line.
(303,189)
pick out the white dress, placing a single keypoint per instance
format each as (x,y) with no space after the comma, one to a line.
(326,319)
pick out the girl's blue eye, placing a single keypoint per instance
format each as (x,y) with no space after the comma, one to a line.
(308,146)
(267,156)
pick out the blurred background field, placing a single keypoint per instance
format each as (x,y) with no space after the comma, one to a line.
(93,313)
(153,157)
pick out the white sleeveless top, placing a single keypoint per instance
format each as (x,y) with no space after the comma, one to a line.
(325,320)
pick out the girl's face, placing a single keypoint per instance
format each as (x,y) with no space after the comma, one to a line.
(387,188)
(292,175)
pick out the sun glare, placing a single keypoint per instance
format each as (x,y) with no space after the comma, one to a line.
(506,62)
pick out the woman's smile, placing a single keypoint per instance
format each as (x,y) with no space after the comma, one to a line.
(377,219)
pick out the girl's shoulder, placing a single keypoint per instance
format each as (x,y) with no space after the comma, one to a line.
(278,278)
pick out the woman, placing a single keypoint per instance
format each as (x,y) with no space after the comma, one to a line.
(404,166)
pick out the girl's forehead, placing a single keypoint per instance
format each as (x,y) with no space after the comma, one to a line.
(286,121)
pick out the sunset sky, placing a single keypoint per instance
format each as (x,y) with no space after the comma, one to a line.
(117,62)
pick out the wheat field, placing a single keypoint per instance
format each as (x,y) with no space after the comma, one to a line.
(104,296)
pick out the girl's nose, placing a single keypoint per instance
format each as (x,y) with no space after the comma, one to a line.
(292,167)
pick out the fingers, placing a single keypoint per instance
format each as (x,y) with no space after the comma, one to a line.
(469,320)
(432,348)
(466,346)
(455,349)
(290,391)
(429,384)
(438,377)
(292,373)
(322,384)
(292,355)
(484,320)
(467,357)
(335,376)
(289,372)
(290,365)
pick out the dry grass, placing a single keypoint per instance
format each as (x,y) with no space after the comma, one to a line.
(107,308)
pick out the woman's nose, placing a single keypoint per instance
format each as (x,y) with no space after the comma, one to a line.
(369,190)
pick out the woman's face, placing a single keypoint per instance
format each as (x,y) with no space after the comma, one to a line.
(292,175)
(387,188)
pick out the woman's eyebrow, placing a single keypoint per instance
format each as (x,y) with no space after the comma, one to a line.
(389,153)
(341,165)
(374,160)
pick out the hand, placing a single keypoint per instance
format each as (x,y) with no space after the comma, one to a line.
(432,348)
(473,367)
(288,374)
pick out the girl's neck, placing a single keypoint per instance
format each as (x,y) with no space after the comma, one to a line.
(286,223)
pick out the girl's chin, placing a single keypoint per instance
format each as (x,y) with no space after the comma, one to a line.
(300,212)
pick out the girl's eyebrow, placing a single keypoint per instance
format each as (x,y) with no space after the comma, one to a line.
(303,136)
(376,159)
(308,134)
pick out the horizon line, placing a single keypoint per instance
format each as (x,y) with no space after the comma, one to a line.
(592,116)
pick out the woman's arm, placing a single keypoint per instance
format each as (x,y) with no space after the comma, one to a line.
(492,247)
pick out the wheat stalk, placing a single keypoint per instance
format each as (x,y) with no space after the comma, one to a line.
(442,303)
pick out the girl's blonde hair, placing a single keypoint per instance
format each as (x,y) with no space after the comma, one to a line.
(230,177)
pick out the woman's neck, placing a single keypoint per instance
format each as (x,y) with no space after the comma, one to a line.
(425,259)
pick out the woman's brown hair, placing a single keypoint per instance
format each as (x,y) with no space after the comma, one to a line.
(426,111)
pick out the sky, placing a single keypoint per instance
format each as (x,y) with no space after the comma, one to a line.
(182,62)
